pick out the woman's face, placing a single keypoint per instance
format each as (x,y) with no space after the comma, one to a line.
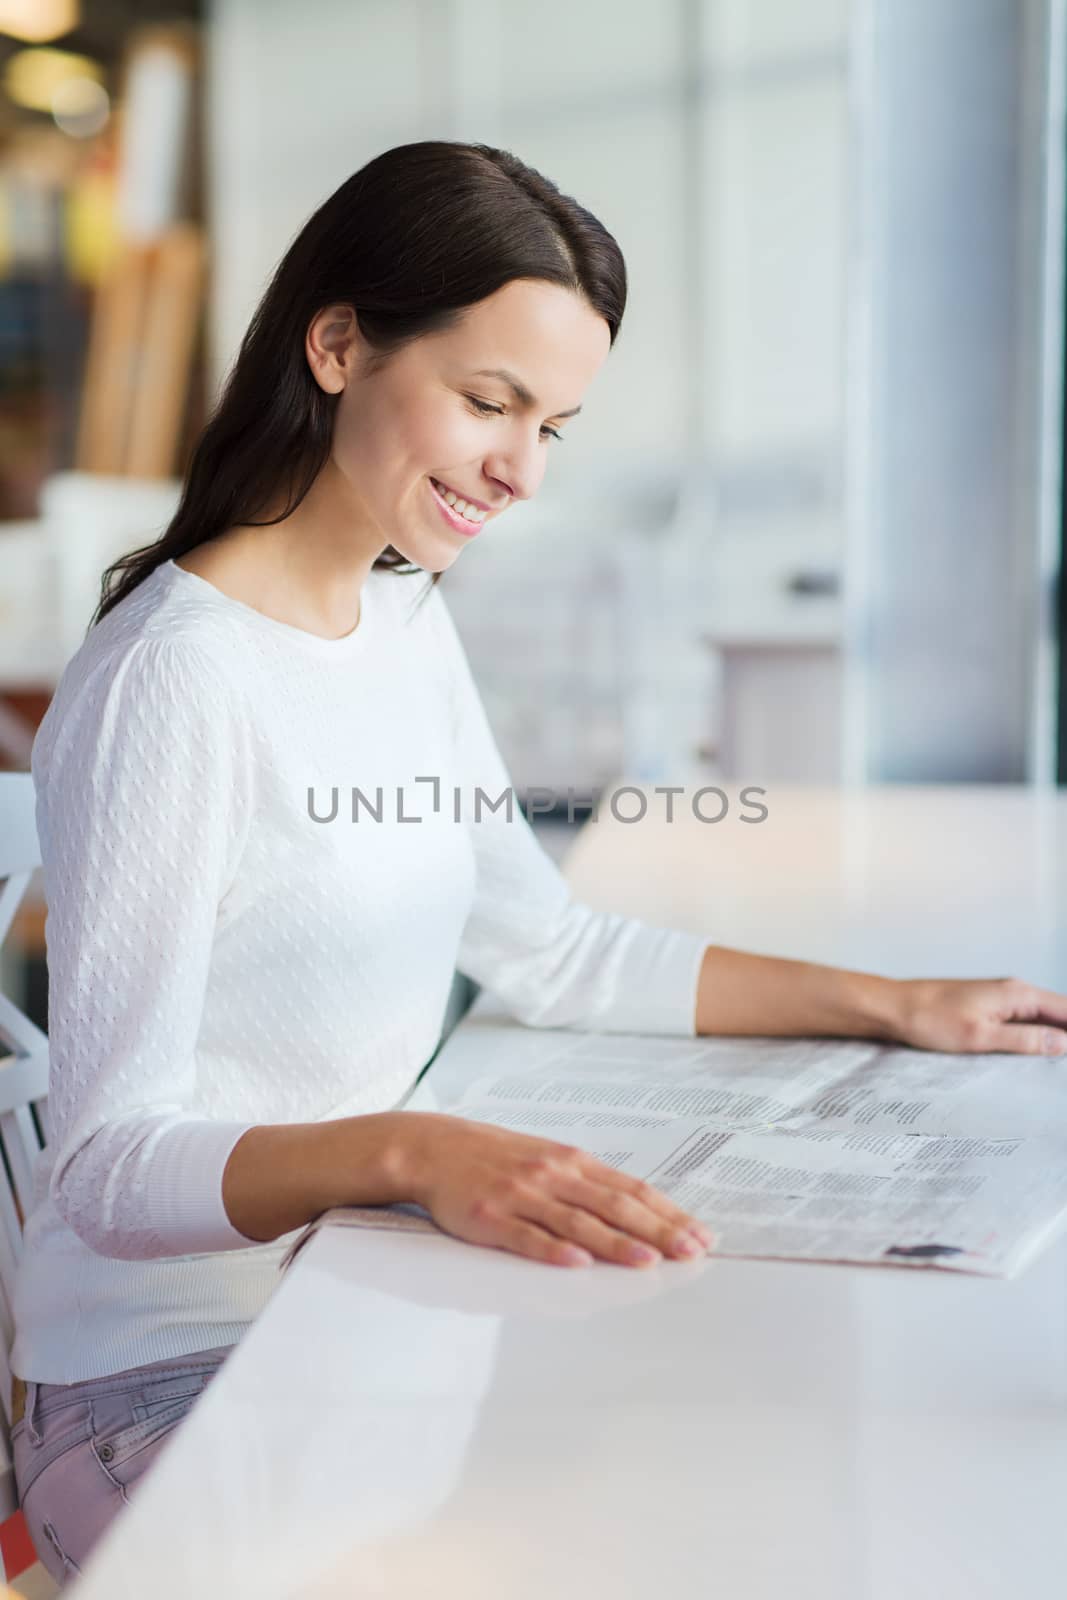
(440,413)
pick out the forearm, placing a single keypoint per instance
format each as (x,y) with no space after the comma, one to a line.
(741,993)
(279,1177)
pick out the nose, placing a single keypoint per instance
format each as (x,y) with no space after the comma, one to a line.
(517,471)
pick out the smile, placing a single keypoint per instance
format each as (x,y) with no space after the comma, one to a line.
(468,521)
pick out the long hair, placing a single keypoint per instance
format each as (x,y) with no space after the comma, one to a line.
(410,240)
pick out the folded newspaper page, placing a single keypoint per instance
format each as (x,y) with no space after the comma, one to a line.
(791,1149)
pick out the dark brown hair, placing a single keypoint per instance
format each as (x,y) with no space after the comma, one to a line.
(410,240)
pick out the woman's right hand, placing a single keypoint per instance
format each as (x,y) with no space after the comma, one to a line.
(538,1198)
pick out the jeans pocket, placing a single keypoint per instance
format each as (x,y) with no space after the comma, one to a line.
(127,1450)
(154,1406)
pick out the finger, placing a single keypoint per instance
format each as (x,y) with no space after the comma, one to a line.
(582,1228)
(1052,1006)
(629,1217)
(1027,1039)
(525,1238)
(646,1193)
(605,1242)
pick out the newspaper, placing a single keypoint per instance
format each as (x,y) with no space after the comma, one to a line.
(793,1149)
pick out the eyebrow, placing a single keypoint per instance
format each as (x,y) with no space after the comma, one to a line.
(518,388)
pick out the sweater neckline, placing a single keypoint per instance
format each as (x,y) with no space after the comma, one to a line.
(346,645)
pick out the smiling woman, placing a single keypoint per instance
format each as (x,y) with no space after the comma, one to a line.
(240,999)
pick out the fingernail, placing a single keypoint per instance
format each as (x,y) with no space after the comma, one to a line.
(1055,1043)
(642,1252)
(575,1256)
(686,1244)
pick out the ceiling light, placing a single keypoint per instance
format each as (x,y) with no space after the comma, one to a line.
(38,20)
(32,77)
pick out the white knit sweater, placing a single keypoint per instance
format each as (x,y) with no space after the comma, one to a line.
(218,958)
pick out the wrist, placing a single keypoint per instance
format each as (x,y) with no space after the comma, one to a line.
(881,1006)
(280,1176)
(369,1159)
(405,1154)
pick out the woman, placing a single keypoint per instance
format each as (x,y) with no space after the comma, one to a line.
(246,975)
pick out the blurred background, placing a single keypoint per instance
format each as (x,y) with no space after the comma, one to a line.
(810,527)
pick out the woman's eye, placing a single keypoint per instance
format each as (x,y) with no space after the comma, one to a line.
(484,407)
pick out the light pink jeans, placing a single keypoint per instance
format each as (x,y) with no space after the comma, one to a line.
(80,1449)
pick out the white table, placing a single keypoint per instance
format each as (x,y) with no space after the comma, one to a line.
(413,1416)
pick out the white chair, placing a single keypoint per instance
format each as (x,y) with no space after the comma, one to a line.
(23,1103)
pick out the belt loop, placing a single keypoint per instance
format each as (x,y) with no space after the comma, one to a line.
(32,1389)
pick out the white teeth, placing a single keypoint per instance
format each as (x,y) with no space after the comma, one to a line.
(465,509)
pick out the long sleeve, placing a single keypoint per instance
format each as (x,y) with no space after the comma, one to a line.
(553,961)
(143,788)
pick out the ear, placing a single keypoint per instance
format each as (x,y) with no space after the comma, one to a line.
(331,344)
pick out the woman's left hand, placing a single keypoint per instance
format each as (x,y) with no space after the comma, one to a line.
(982,1014)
